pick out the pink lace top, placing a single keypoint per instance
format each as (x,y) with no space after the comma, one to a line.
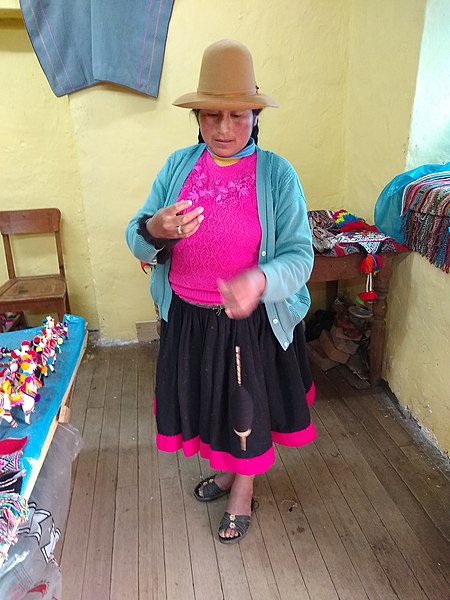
(228,239)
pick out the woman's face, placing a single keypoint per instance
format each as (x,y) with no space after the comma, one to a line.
(226,131)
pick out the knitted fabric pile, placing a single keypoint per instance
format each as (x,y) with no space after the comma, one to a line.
(338,233)
(426,218)
(341,233)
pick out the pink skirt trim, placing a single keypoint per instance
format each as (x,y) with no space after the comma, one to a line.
(311,394)
(297,438)
(223,461)
(220,461)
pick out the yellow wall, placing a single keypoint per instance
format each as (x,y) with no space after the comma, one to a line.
(418,345)
(399,51)
(39,164)
(345,76)
(103,146)
(384,49)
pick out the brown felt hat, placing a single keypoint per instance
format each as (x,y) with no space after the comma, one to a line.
(226,81)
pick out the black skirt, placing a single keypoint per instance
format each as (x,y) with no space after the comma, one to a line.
(198,403)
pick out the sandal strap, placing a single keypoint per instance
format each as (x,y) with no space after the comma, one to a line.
(210,489)
(239,523)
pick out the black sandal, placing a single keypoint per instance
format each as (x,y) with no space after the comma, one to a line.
(239,523)
(210,490)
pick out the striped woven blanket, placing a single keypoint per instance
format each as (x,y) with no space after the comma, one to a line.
(426,218)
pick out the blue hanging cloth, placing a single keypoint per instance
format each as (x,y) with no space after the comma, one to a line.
(60,33)
(129,40)
(388,208)
(84,42)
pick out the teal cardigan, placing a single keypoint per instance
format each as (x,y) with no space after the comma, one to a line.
(286,254)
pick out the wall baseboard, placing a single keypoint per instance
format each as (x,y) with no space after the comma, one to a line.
(147,331)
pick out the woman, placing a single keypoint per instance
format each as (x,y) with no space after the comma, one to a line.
(227,224)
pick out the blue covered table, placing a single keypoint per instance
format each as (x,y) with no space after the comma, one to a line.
(54,395)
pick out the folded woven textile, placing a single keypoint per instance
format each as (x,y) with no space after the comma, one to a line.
(329,239)
(11,472)
(83,42)
(426,218)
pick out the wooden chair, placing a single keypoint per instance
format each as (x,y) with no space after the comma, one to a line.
(36,293)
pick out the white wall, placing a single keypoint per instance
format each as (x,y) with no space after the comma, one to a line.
(430,127)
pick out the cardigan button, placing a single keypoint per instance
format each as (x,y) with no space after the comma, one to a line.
(263,253)
(275,321)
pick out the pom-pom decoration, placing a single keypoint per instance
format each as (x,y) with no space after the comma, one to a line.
(364,297)
(369,265)
(343,217)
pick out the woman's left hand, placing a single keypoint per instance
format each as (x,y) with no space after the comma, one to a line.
(242,293)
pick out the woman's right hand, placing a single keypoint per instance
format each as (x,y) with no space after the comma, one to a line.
(171,222)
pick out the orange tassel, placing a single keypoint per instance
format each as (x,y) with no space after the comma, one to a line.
(367,264)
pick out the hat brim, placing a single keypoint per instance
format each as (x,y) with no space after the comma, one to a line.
(218,102)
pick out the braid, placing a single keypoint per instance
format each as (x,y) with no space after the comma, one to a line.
(255,130)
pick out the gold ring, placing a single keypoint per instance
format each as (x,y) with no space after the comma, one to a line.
(180,231)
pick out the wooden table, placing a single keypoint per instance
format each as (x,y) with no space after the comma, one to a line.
(332,269)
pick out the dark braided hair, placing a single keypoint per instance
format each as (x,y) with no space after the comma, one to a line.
(255,130)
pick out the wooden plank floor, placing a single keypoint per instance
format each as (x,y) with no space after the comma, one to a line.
(363,513)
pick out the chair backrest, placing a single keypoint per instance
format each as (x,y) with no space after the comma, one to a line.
(28,221)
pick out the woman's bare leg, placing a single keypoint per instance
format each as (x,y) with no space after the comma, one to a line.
(224,480)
